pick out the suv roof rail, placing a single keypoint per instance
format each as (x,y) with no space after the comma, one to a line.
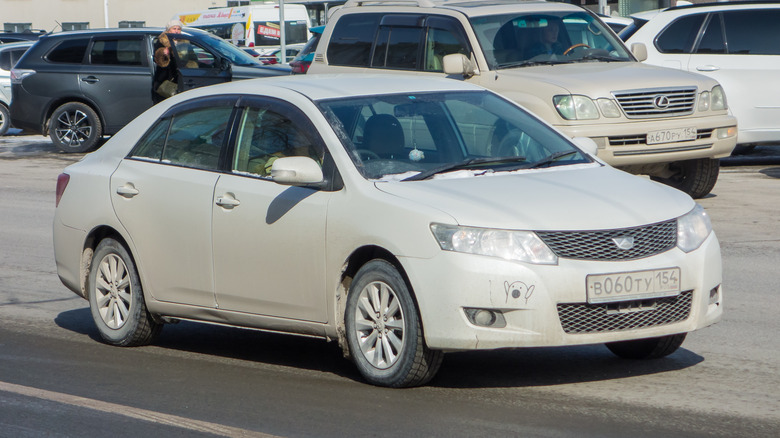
(420,3)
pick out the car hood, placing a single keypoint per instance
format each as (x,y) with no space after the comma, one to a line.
(586,198)
(600,79)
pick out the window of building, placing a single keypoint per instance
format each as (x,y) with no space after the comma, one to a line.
(16,27)
(126,23)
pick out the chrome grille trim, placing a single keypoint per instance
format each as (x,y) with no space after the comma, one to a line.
(638,104)
(580,318)
(649,240)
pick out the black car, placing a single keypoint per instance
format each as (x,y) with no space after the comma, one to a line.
(79,86)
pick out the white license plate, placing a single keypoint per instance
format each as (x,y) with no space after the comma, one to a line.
(671,135)
(637,285)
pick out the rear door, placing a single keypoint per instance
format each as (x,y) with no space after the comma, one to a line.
(118,78)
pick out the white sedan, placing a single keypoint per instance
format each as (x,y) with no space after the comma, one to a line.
(402,217)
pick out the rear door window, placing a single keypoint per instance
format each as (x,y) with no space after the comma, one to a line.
(753,32)
(117,51)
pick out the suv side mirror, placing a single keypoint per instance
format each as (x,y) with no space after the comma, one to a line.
(296,171)
(640,51)
(459,64)
(224,64)
(586,144)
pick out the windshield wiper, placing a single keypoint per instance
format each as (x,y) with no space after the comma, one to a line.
(550,159)
(529,62)
(462,165)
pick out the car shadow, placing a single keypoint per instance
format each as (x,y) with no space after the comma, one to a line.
(506,368)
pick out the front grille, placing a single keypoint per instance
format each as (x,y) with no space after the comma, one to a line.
(657,102)
(627,140)
(600,245)
(580,318)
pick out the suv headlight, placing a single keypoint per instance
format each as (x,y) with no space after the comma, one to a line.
(693,229)
(522,246)
(718,98)
(575,107)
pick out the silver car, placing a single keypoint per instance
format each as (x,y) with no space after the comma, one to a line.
(399,216)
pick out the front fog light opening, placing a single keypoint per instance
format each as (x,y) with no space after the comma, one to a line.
(485,317)
(715,295)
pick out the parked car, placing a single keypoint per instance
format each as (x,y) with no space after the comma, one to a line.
(78,86)
(615,23)
(735,43)
(300,64)
(671,125)
(9,54)
(368,209)
(273,56)
(13,37)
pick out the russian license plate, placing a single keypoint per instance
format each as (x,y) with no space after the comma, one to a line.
(671,135)
(637,285)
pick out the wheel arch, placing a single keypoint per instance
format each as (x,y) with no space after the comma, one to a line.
(90,244)
(54,104)
(352,265)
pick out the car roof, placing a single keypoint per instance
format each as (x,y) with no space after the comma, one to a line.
(470,7)
(121,30)
(328,86)
(16,44)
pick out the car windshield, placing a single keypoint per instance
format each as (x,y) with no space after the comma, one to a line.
(432,135)
(517,40)
(228,50)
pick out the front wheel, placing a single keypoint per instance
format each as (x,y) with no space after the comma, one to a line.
(384,332)
(116,298)
(75,127)
(651,348)
(694,177)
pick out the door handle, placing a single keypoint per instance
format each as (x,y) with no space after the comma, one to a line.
(228,201)
(90,80)
(127,190)
(708,68)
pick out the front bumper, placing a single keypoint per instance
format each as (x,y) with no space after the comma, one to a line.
(627,145)
(450,282)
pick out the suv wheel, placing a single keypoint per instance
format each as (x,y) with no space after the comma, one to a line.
(694,177)
(5,120)
(75,127)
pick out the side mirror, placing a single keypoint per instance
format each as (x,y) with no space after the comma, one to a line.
(224,64)
(296,171)
(586,144)
(640,51)
(459,64)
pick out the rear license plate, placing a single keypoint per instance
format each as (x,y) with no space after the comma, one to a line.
(637,285)
(671,135)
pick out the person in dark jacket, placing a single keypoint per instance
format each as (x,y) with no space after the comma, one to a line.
(165,63)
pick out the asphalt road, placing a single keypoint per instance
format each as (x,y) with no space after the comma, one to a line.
(58,379)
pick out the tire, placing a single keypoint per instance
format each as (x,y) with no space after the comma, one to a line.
(651,348)
(384,332)
(75,127)
(694,177)
(116,298)
(5,119)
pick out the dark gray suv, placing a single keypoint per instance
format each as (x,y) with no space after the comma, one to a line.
(79,86)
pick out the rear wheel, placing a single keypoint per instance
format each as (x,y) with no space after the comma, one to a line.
(694,177)
(5,119)
(75,127)
(384,332)
(651,348)
(116,298)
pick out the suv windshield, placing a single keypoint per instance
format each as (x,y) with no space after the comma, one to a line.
(418,136)
(516,40)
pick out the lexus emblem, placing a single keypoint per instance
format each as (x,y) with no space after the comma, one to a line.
(661,101)
(626,242)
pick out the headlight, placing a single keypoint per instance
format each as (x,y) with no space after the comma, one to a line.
(704,101)
(718,99)
(522,246)
(693,229)
(573,107)
(609,108)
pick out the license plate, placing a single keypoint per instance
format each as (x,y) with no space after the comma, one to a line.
(671,135)
(637,285)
